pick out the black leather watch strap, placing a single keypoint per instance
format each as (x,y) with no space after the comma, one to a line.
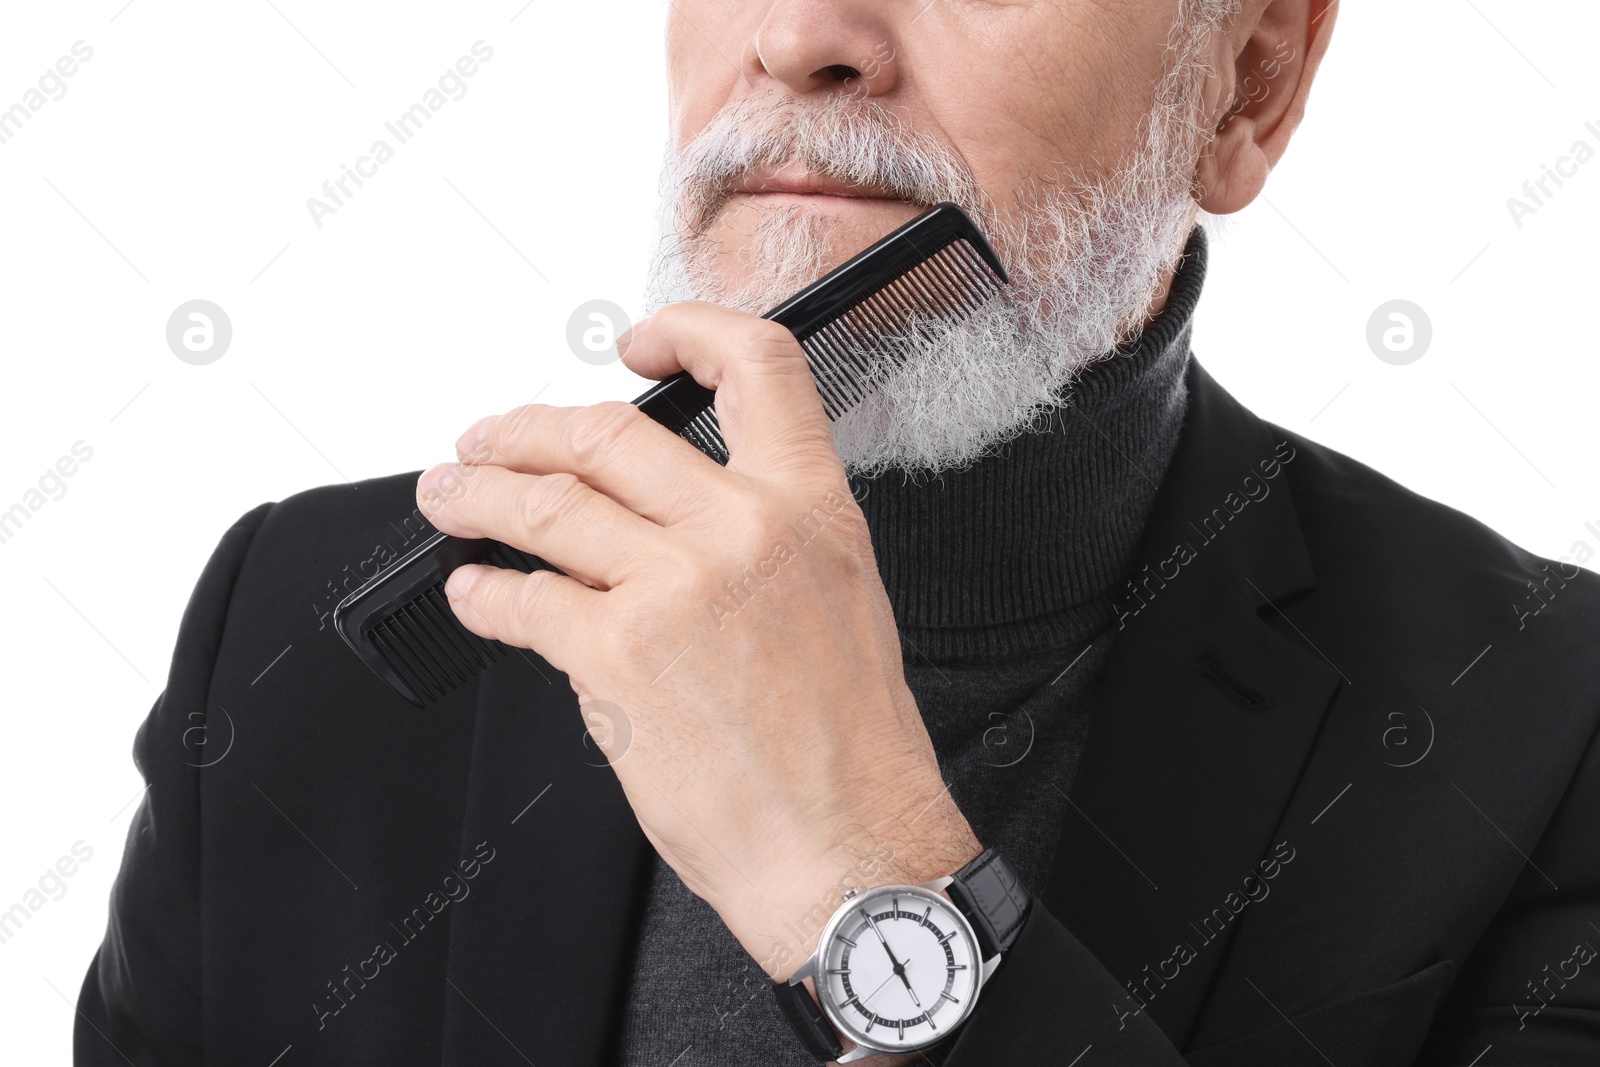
(805,1016)
(994,900)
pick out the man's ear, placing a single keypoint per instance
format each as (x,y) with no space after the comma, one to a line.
(1264,70)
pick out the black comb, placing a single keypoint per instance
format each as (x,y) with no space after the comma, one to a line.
(937,267)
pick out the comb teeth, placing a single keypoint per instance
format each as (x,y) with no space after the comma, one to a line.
(704,433)
(847,353)
(936,268)
(426,645)
(429,649)
(403,627)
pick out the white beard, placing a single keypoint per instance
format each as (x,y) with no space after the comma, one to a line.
(1086,258)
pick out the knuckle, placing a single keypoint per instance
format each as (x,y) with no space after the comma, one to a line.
(682,314)
(671,315)
(619,642)
(594,431)
(767,342)
(529,602)
(831,522)
(550,500)
(761,521)
(687,572)
(855,535)
(661,327)
(506,431)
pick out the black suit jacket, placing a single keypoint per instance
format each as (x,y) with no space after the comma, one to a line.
(1340,804)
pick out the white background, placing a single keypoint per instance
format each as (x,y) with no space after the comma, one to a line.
(178,164)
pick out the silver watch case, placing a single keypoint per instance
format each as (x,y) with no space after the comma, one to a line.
(808,969)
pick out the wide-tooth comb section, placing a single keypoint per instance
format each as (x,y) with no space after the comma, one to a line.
(852,326)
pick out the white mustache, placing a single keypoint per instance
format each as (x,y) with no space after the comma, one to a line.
(842,137)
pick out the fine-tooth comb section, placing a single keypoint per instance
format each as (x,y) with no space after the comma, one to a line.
(852,325)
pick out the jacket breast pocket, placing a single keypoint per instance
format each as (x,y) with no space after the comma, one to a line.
(1380,1028)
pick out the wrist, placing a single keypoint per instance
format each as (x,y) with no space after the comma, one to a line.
(848,1001)
(780,921)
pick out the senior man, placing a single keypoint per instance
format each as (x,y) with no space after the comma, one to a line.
(1088,718)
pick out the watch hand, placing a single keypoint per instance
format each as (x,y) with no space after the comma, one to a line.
(898,966)
(901,971)
(875,992)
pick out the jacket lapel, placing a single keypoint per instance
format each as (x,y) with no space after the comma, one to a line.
(539,950)
(1203,719)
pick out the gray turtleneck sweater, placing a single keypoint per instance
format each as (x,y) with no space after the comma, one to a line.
(1002,578)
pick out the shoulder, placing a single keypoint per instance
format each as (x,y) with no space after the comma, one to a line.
(319,545)
(280,570)
(1423,590)
(343,516)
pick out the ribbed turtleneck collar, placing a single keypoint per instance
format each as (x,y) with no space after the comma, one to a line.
(1019,553)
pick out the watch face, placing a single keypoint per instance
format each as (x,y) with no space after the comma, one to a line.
(899,968)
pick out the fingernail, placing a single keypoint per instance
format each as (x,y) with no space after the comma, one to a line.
(461,581)
(623,340)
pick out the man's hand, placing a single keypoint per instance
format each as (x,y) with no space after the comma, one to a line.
(733,617)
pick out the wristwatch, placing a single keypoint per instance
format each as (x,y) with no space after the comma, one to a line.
(900,967)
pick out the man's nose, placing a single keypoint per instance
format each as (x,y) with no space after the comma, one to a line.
(811,46)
